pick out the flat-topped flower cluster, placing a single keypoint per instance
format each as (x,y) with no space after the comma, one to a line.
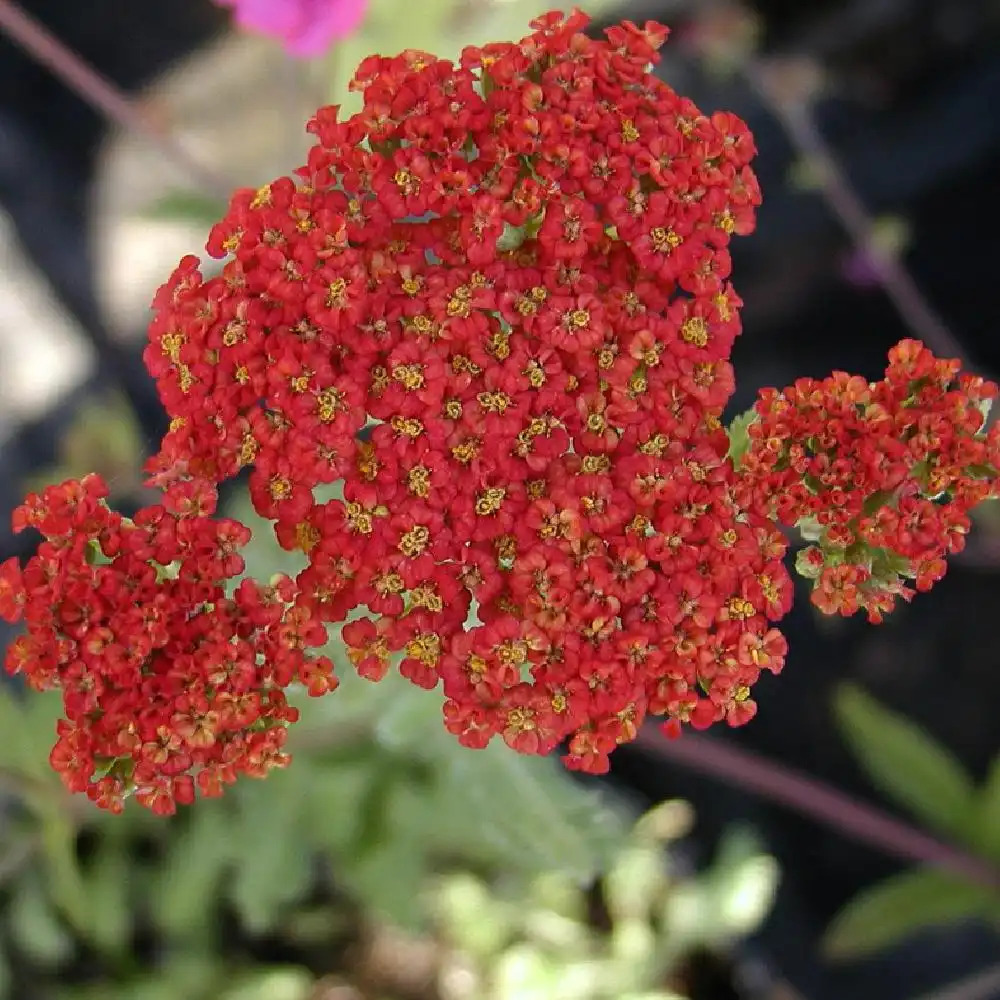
(495,308)
(882,476)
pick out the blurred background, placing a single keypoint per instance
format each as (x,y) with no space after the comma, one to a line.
(387,863)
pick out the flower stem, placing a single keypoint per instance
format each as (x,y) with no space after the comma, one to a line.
(811,797)
(99,92)
(793,114)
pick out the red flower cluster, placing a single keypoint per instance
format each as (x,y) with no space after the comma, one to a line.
(167,682)
(491,318)
(514,272)
(881,475)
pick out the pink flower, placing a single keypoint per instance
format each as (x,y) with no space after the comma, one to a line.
(305,27)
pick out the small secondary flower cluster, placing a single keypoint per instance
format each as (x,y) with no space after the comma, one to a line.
(493,313)
(881,476)
(167,681)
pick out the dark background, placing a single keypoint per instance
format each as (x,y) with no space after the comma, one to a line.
(912,110)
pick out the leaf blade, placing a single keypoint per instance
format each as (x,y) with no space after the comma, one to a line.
(986,823)
(739,436)
(187,206)
(898,907)
(906,763)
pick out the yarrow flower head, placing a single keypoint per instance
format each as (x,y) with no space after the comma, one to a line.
(513,275)
(306,28)
(494,309)
(880,476)
(168,683)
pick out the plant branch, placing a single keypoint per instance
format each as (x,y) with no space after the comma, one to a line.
(100,92)
(793,113)
(811,797)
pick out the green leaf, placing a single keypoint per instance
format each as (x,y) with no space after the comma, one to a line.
(742,884)
(739,436)
(635,882)
(982,471)
(272,868)
(888,565)
(496,806)
(29,727)
(986,821)
(899,907)
(526,813)
(187,206)
(385,858)
(286,983)
(64,878)
(878,500)
(511,237)
(389,880)
(186,883)
(35,925)
(726,902)
(109,923)
(186,974)
(337,787)
(906,763)
(434,799)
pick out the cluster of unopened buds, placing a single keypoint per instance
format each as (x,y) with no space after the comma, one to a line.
(492,319)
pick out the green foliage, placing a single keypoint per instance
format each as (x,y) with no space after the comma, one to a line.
(419,797)
(739,436)
(65,883)
(187,206)
(270,860)
(908,765)
(379,792)
(904,761)
(540,945)
(902,905)
(190,870)
(104,437)
(401,815)
(730,901)
(28,725)
(986,826)
(35,925)
(271,984)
